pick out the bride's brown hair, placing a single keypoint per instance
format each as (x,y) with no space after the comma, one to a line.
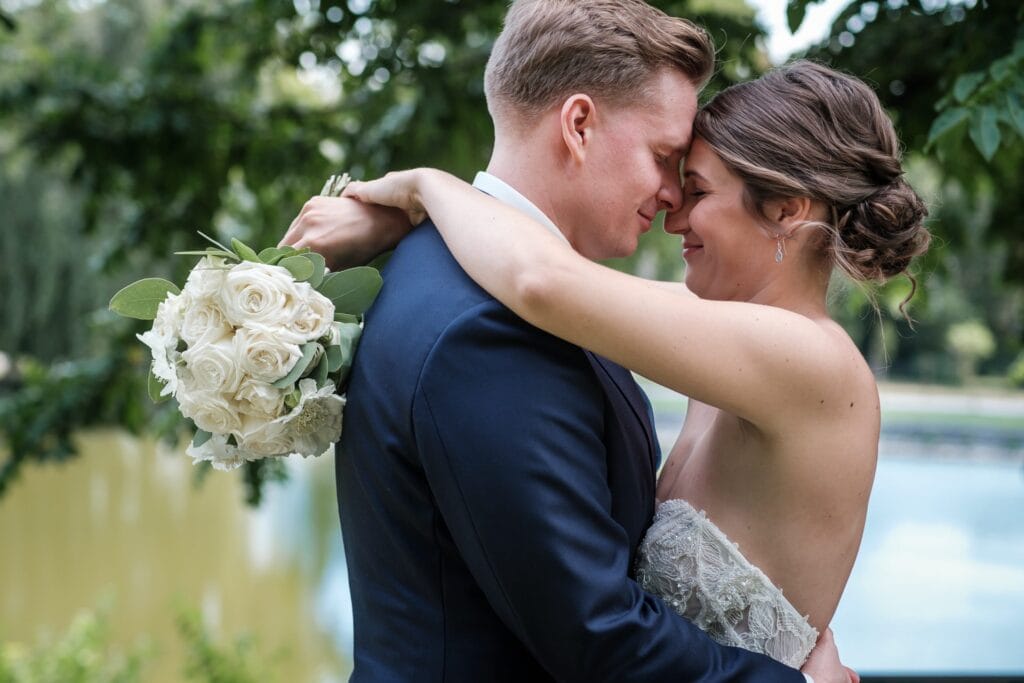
(805,130)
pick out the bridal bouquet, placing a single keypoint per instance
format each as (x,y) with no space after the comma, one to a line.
(254,346)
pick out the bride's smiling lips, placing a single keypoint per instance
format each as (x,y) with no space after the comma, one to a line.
(691,248)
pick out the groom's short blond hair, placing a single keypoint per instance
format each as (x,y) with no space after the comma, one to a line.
(608,49)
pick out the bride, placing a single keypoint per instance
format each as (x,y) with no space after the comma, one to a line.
(764,495)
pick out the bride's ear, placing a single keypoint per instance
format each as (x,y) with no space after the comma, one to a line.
(577,118)
(791,212)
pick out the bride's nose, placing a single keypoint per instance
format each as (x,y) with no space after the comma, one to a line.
(677,222)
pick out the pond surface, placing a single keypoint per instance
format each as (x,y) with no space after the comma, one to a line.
(938,586)
(125,523)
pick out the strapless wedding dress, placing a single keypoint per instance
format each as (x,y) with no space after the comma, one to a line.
(688,562)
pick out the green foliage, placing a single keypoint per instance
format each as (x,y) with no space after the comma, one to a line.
(949,73)
(1016,372)
(81,655)
(354,290)
(127,126)
(208,662)
(991,104)
(141,299)
(970,342)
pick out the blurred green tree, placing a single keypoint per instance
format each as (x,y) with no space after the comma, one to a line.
(129,124)
(950,73)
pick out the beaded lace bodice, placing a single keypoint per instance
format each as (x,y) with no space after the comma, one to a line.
(687,561)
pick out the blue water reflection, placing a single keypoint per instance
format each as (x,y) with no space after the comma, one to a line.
(939,583)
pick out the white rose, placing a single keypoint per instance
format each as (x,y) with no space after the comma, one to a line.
(260,399)
(258,294)
(207,279)
(265,438)
(314,316)
(214,366)
(211,412)
(204,321)
(263,354)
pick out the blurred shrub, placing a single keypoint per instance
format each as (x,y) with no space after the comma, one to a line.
(84,655)
(1017,371)
(208,662)
(81,655)
(970,342)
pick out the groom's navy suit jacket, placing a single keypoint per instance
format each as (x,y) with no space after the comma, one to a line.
(494,483)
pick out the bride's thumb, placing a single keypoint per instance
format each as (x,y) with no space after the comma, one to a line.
(352,190)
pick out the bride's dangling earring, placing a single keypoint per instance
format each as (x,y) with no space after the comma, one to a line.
(779,253)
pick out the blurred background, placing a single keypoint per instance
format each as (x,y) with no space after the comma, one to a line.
(127,125)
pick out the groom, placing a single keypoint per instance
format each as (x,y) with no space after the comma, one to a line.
(493,481)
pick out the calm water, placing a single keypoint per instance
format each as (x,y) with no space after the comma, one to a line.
(939,584)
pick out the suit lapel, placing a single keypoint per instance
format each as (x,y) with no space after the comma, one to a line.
(616,378)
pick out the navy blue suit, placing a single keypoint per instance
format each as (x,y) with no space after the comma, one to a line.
(494,483)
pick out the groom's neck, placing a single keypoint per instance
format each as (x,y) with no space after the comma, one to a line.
(527,175)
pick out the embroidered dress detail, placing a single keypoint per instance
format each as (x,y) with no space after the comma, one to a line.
(687,561)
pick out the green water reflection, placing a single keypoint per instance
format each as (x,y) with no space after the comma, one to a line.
(125,519)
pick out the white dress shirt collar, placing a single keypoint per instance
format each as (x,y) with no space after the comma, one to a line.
(502,191)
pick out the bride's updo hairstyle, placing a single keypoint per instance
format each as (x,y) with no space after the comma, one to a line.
(805,130)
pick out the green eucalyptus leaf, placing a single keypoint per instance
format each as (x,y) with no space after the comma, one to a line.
(201,437)
(345,318)
(349,334)
(353,290)
(319,268)
(985,132)
(271,255)
(244,250)
(299,266)
(320,373)
(347,347)
(308,354)
(141,299)
(154,385)
(335,358)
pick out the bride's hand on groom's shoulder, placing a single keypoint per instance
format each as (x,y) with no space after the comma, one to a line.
(346,231)
(823,664)
(400,189)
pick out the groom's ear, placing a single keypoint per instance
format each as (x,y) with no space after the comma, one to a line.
(577,118)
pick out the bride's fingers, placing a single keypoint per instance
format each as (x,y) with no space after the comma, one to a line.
(352,189)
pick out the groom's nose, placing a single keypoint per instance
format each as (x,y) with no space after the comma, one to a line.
(670,194)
